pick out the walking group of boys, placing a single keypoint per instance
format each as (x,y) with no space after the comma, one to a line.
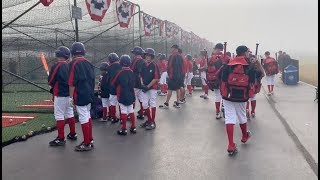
(123,81)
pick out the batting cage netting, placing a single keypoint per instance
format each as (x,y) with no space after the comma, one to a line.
(33,29)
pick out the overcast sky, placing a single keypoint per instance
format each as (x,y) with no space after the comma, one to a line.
(290,25)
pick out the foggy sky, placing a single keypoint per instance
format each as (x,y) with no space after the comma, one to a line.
(289,25)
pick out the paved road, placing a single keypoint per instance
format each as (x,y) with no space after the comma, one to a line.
(189,143)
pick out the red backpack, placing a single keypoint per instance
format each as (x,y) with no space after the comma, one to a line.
(271,68)
(212,73)
(235,84)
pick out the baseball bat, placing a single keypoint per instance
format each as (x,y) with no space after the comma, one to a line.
(224,48)
(256,49)
(44,62)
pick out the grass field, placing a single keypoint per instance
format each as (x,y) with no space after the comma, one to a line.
(309,73)
(35,124)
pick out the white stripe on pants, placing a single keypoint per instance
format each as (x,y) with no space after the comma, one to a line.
(149,98)
(203,78)
(126,109)
(105,102)
(84,113)
(163,78)
(235,111)
(217,95)
(62,108)
(270,79)
(188,78)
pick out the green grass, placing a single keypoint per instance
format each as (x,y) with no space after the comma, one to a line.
(35,124)
(10,101)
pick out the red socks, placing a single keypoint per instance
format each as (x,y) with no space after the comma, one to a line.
(272,88)
(147,111)
(189,87)
(85,131)
(72,125)
(123,118)
(105,113)
(229,128)
(206,89)
(217,107)
(269,88)
(60,126)
(133,125)
(153,110)
(112,111)
(165,86)
(244,130)
(90,129)
(253,106)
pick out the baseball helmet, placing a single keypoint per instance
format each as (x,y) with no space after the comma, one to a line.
(63,52)
(113,57)
(125,60)
(163,56)
(189,57)
(103,66)
(241,49)
(218,46)
(137,50)
(77,48)
(150,51)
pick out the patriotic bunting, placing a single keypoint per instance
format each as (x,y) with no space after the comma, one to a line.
(148,24)
(124,12)
(97,8)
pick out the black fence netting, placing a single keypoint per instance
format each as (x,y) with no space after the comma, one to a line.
(27,108)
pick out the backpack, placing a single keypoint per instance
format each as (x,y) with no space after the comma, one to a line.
(271,68)
(96,110)
(212,75)
(235,85)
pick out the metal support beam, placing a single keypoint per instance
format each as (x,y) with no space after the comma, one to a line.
(76,24)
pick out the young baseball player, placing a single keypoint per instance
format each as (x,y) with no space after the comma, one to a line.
(136,66)
(163,78)
(58,80)
(237,81)
(203,69)
(103,88)
(150,76)
(124,83)
(214,65)
(189,74)
(112,71)
(176,76)
(271,68)
(81,88)
(182,88)
(259,74)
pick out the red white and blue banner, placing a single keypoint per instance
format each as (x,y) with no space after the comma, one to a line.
(97,8)
(46,2)
(125,10)
(172,30)
(148,24)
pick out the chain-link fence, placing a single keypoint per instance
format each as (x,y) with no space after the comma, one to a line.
(26,105)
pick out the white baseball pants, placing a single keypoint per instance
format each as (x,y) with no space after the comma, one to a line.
(235,111)
(62,108)
(149,98)
(84,113)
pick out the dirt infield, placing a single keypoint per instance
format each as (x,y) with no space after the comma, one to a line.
(46,104)
(309,73)
(14,119)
